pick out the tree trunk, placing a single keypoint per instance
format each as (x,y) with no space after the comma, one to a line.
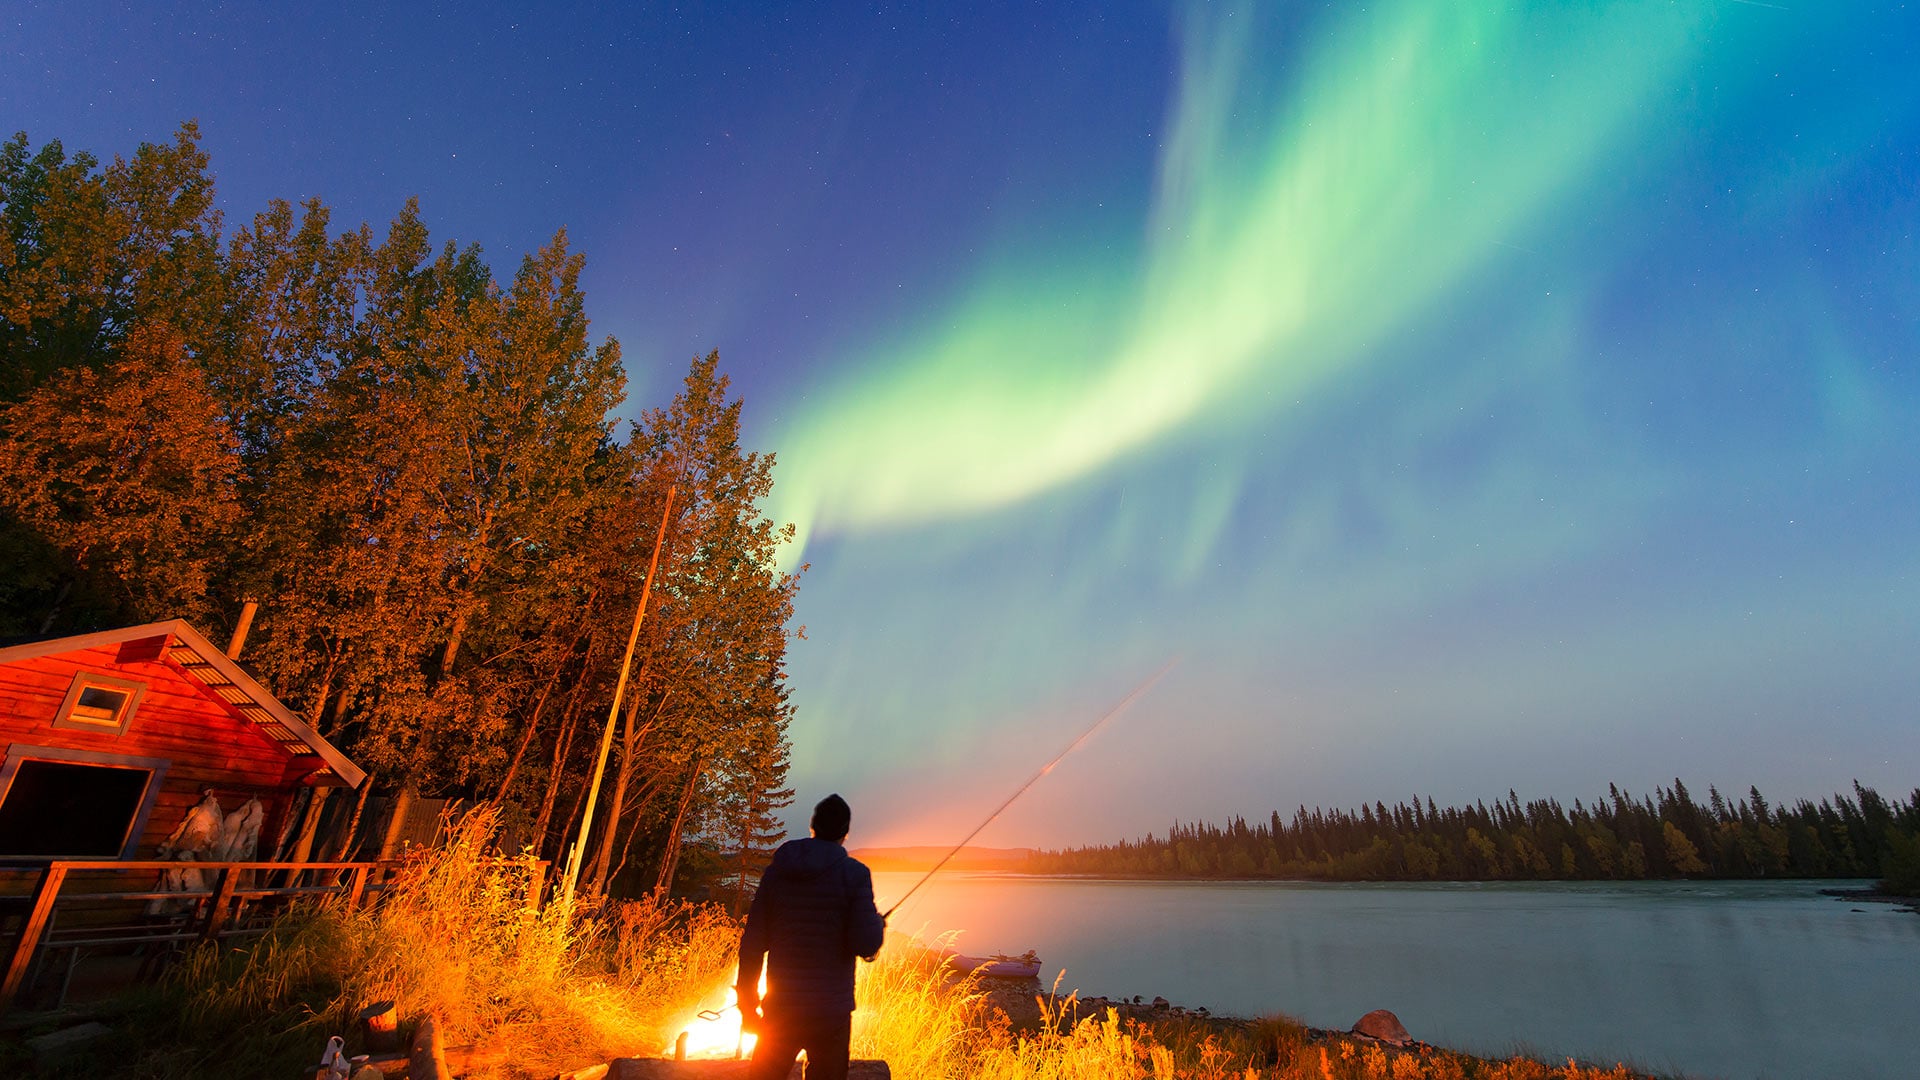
(335,714)
(526,739)
(598,878)
(303,847)
(540,706)
(53,609)
(295,814)
(633,834)
(746,838)
(569,824)
(562,745)
(631,740)
(453,643)
(671,861)
(353,823)
(397,821)
(319,708)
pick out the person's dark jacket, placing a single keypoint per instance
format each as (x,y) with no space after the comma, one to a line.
(812,915)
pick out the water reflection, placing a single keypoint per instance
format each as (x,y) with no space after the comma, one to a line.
(1736,979)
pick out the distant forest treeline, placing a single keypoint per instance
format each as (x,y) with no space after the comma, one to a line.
(1667,835)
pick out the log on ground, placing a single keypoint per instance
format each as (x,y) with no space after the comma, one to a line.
(428,1061)
(664,1069)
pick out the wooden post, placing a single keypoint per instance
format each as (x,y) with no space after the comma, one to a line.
(222,900)
(44,894)
(357,889)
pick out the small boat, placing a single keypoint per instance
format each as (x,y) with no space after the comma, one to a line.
(998,966)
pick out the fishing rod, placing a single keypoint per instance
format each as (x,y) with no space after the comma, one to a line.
(1044,770)
(715,1014)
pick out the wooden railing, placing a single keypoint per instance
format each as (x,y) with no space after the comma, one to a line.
(353,881)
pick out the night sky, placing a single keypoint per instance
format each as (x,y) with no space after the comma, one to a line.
(1473,395)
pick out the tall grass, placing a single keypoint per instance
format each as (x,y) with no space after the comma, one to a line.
(913,1015)
(460,938)
(930,1027)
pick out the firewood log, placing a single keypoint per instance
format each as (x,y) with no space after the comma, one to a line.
(428,1061)
(726,1069)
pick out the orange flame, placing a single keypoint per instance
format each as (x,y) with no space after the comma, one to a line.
(720,1036)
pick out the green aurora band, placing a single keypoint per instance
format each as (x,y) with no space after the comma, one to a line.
(1416,143)
(1478,384)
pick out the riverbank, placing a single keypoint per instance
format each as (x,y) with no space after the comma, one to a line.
(1198,1043)
(916,1015)
(541,991)
(1875,896)
(1599,971)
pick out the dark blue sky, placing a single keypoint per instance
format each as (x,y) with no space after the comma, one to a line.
(1477,396)
(737,179)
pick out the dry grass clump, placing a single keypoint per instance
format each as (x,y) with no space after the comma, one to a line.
(462,939)
(929,1026)
(458,937)
(913,1014)
(675,957)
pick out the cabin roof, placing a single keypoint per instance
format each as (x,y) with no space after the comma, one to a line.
(189,650)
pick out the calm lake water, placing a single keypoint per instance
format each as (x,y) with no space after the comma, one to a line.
(1710,979)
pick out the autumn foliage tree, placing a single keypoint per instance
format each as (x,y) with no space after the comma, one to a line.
(127,472)
(90,255)
(418,472)
(709,672)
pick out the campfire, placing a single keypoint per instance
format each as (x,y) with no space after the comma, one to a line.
(715,1033)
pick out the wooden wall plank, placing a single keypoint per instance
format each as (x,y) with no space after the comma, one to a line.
(179,719)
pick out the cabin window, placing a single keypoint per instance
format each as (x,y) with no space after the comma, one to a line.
(72,809)
(99,703)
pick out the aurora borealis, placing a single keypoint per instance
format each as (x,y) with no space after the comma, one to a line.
(1473,395)
(1273,251)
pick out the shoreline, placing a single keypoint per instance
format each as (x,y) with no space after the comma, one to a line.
(1477,968)
(1875,896)
(1191,880)
(1018,1002)
(1868,894)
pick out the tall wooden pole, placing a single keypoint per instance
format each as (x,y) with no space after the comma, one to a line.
(578,853)
(239,639)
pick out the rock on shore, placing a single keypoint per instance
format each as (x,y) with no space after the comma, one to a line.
(1384,1026)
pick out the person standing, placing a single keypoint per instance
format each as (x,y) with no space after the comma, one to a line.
(811,916)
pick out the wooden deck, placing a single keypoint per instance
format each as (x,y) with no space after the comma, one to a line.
(75,907)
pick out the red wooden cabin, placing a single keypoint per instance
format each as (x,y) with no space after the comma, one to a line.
(110,738)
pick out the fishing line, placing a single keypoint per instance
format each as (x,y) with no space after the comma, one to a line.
(1044,770)
(714,1014)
